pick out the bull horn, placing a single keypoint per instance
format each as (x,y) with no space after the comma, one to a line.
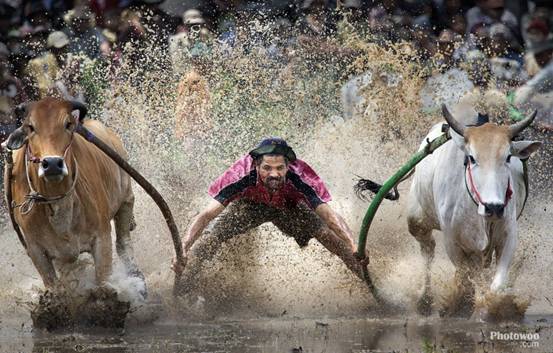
(517,128)
(453,123)
(76,105)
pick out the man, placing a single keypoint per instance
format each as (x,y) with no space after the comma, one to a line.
(11,94)
(192,39)
(43,71)
(488,12)
(536,93)
(86,37)
(270,185)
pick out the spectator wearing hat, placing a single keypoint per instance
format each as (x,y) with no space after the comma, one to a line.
(268,185)
(445,49)
(57,43)
(506,60)
(85,37)
(157,22)
(43,70)
(193,39)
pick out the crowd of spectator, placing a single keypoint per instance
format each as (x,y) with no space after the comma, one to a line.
(41,39)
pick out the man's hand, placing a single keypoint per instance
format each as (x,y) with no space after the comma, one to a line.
(178,266)
(365,261)
(195,230)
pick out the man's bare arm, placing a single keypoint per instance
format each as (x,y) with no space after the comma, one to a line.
(213,209)
(336,223)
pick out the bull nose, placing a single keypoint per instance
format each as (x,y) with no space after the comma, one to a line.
(52,166)
(494,209)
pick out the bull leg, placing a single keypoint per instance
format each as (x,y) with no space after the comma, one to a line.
(43,264)
(461,302)
(504,254)
(423,235)
(102,254)
(123,223)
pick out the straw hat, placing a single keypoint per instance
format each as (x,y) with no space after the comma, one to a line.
(57,39)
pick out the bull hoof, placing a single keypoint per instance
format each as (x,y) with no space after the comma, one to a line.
(424,305)
(500,307)
(138,274)
(463,307)
(102,308)
(52,311)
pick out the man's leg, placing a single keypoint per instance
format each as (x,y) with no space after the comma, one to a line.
(302,223)
(238,218)
(340,248)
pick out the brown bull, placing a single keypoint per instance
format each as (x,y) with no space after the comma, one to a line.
(67,191)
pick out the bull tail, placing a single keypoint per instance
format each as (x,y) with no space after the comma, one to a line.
(364,185)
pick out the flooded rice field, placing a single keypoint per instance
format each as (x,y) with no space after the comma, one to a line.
(261,292)
(277,335)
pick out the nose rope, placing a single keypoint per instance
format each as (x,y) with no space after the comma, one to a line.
(34,197)
(473,189)
(472,186)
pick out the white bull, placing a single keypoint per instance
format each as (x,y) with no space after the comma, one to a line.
(472,189)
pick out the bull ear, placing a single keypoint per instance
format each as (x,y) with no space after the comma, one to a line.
(76,105)
(524,149)
(17,139)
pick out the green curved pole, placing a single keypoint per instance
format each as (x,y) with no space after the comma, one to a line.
(388,185)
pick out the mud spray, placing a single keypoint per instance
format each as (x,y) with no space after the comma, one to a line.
(184,124)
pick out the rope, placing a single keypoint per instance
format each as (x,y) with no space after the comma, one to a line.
(35,197)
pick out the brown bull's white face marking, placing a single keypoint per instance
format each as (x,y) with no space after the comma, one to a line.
(49,127)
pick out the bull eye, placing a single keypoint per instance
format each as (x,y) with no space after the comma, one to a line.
(31,128)
(68,125)
(472,160)
(509,158)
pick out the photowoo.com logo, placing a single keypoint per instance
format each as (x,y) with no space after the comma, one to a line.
(528,340)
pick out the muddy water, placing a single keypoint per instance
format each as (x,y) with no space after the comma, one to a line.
(262,293)
(294,335)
